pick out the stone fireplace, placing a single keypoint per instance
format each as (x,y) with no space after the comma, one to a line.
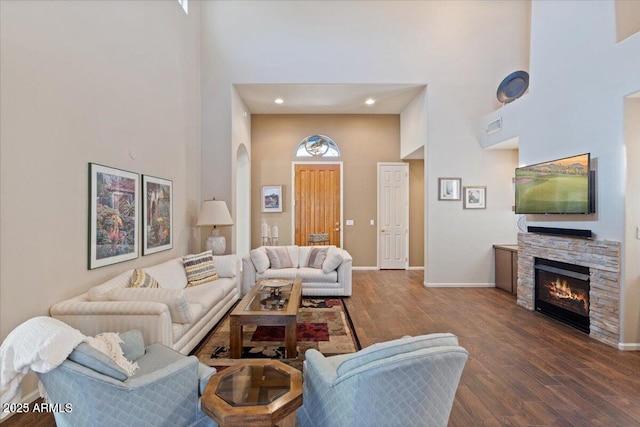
(562,292)
(601,257)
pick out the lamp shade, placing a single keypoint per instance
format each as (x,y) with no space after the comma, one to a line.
(214,212)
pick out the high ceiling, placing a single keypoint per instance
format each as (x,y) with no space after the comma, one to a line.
(328,98)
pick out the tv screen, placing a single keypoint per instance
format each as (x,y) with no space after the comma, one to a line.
(560,186)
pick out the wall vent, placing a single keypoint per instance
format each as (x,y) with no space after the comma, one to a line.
(494,126)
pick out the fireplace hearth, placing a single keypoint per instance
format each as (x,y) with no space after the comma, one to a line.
(562,292)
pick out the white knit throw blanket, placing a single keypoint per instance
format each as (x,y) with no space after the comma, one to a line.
(41,344)
(109,344)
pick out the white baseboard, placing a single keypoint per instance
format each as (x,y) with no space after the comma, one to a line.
(376,268)
(634,346)
(28,398)
(459,285)
(31,397)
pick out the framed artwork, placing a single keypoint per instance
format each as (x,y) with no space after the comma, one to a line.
(475,197)
(157,214)
(272,198)
(114,196)
(449,188)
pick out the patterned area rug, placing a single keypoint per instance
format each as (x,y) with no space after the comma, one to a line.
(323,324)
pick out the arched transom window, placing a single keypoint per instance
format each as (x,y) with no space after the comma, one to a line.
(317,146)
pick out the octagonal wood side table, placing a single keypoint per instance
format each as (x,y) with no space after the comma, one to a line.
(253,393)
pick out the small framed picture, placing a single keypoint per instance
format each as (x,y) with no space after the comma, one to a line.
(449,188)
(157,214)
(475,197)
(272,198)
(114,196)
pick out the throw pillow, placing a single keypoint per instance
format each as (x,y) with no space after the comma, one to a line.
(260,259)
(226,265)
(199,268)
(109,344)
(140,279)
(333,260)
(174,299)
(96,360)
(169,274)
(317,257)
(132,344)
(279,258)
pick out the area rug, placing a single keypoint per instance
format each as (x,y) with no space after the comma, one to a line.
(323,324)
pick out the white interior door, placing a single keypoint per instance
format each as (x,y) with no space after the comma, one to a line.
(393,215)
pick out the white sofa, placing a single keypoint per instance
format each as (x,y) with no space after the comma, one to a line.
(334,279)
(172,314)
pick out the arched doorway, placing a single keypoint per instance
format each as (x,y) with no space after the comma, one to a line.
(243,202)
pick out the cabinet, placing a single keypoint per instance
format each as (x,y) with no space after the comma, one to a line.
(506,267)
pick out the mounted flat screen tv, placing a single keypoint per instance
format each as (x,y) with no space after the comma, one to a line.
(563,186)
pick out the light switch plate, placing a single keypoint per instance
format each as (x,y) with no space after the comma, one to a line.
(349,222)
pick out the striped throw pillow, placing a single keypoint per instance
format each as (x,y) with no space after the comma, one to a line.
(200,268)
(317,257)
(279,258)
(140,279)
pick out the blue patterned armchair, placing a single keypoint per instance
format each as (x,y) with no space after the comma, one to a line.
(89,390)
(411,381)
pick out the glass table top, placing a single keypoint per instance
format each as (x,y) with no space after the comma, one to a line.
(253,385)
(270,299)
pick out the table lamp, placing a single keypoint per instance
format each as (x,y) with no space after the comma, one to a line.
(215,212)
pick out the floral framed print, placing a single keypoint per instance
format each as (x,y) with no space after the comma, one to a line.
(449,188)
(475,197)
(113,215)
(157,214)
(272,198)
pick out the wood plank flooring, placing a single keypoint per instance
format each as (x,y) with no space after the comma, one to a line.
(524,369)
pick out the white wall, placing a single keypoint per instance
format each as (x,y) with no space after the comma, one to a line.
(413,127)
(241,173)
(88,82)
(630,308)
(462,50)
(579,78)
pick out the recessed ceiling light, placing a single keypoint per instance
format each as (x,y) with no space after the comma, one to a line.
(279,101)
(370,101)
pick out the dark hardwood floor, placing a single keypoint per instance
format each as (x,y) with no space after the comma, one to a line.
(524,369)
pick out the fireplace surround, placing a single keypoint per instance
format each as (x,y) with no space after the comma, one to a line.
(602,257)
(562,292)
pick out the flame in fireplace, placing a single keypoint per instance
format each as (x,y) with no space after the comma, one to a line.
(560,289)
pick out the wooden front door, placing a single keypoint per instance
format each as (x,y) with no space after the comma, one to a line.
(317,202)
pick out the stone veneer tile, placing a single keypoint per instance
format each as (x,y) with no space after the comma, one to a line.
(603,259)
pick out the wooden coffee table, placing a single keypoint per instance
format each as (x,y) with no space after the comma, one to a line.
(261,307)
(253,393)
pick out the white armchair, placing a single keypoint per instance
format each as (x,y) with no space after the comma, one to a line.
(411,381)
